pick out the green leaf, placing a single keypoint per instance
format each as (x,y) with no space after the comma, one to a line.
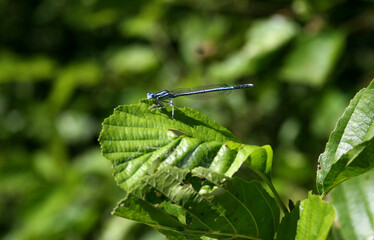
(316,218)
(15,68)
(353,202)
(133,59)
(356,161)
(199,203)
(78,74)
(263,38)
(311,219)
(313,58)
(139,142)
(350,149)
(288,226)
(201,32)
(261,161)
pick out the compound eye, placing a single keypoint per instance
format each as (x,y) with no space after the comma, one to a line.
(150,95)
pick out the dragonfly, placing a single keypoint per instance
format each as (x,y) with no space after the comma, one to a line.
(166,96)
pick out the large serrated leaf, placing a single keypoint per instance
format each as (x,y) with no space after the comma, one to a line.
(138,142)
(311,219)
(353,201)
(349,151)
(199,203)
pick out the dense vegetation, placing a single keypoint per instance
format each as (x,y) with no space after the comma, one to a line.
(65,65)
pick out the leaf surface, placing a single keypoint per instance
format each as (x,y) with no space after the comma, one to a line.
(311,219)
(353,201)
(201,202)
(288,226)
(139,142)
(350,149)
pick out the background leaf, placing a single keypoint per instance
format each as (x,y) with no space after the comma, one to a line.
(263,38)
(139,142)
(202,202)
(315,54)
(349,151)
(353,202)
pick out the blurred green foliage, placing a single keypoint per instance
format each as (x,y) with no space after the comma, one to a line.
(65,65)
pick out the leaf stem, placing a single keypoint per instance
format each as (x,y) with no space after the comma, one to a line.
(276,195)
(323,195)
